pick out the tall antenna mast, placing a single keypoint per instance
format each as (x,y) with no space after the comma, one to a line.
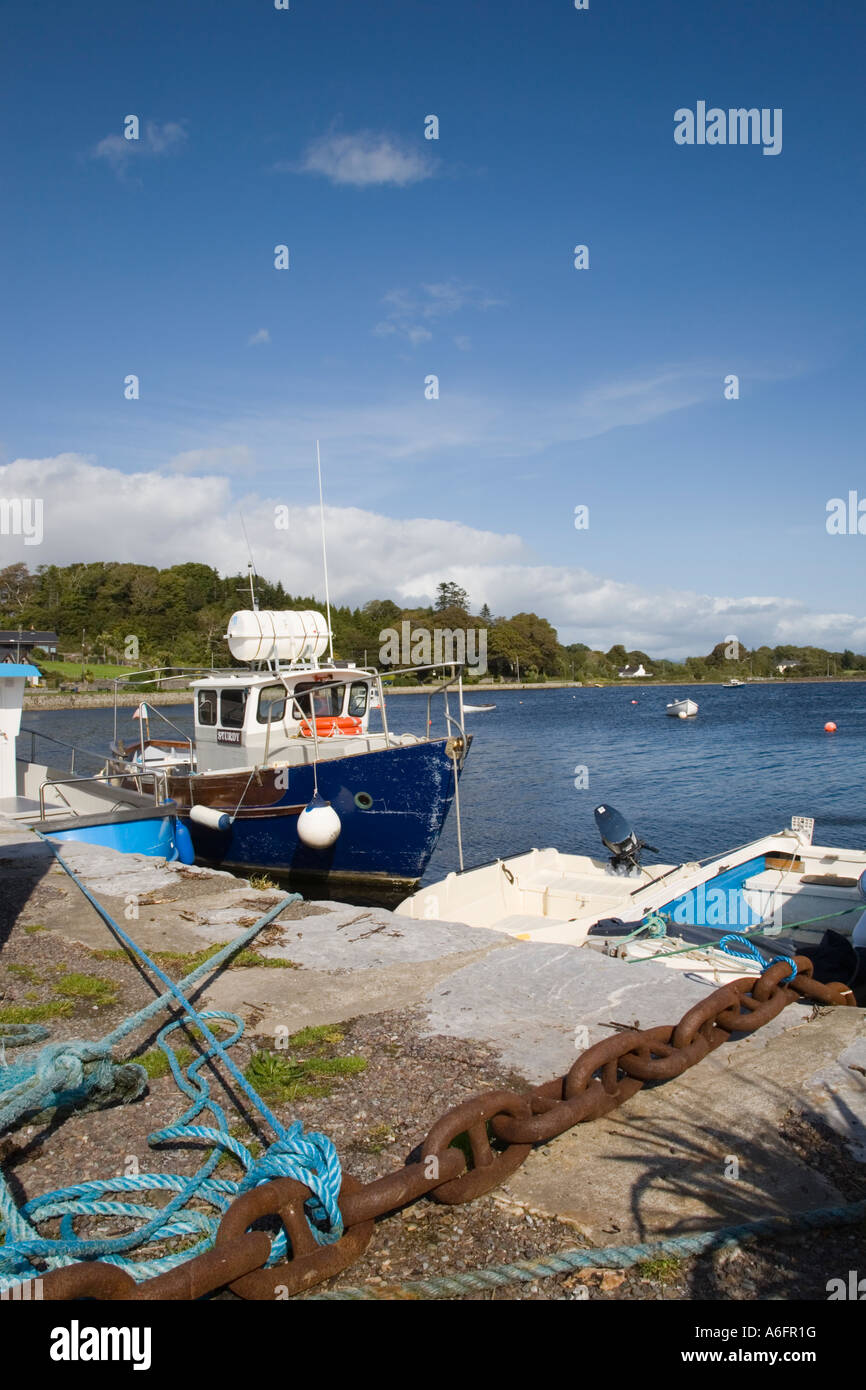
(251,564)
(324,552)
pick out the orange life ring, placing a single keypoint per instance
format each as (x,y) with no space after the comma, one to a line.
(329,725)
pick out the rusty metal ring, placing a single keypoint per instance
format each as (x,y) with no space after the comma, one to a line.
(310,1263)
(471,1119)
(91,1279)
(581,1073)
(385,1195)
(707,1011)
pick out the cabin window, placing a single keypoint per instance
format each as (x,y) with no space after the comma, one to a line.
(232,705)
(207,707)
(327,700)
(272,704)
(358,699)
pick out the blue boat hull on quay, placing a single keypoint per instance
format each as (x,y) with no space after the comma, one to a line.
(155,833)
(392,805)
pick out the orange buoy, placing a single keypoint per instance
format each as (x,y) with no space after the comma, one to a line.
(829,727)
(634,702)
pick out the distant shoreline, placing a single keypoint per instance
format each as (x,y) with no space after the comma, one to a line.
(100,699)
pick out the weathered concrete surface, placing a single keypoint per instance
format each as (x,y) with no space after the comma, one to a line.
(540,1004)
(837,1093)
(665,1162)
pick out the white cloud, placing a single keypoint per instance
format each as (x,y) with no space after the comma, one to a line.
(408,312)
(96,513)
(262,336)
(364,160)
(155,139)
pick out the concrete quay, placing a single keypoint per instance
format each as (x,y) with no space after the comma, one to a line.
(699,1152)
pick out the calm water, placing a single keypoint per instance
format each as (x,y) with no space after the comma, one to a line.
(751,759)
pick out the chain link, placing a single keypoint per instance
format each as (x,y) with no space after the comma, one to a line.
(603,1078)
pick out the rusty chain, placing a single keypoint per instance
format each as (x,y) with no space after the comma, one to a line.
(602,1078)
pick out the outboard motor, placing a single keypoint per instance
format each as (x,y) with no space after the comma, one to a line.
(619,837)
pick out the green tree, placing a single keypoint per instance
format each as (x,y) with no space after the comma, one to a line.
(450,595)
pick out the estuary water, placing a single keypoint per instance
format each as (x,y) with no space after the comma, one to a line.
(543,759)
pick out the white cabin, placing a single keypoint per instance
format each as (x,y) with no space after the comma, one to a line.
(244,718)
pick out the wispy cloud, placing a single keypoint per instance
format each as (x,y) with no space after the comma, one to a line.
(363,160)
(262,336)
(154,139)
(410,312)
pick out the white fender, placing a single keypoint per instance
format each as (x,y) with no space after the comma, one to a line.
(214,820)
(318,824)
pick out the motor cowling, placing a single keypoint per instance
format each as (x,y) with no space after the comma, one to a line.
(620,838)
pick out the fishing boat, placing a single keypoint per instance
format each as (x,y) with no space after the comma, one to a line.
(681,709)
(733,684)
(285,771)
(477,709)
(781,892)
(66,804)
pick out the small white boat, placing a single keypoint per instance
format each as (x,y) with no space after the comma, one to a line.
(780,890)
(681,709)
(733,684)
(476,709)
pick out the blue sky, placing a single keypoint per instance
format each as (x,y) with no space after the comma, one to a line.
(454,257)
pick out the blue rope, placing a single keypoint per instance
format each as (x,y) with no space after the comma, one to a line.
(751,952)
(78,1072)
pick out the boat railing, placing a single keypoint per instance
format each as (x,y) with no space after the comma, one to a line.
(156,676)
(157,778)
(144,712)
(73,749)
(453,682)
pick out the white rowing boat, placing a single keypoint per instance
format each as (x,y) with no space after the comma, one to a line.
(681,709)
(780,890)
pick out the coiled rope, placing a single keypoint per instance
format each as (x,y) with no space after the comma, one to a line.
(83,1074)
(745,950)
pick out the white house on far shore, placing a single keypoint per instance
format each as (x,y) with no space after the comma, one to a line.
(630,673)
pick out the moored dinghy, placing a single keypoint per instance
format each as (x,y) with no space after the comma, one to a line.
(681,709)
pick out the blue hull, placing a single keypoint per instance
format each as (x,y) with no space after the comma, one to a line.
(392,805)
(153,835)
